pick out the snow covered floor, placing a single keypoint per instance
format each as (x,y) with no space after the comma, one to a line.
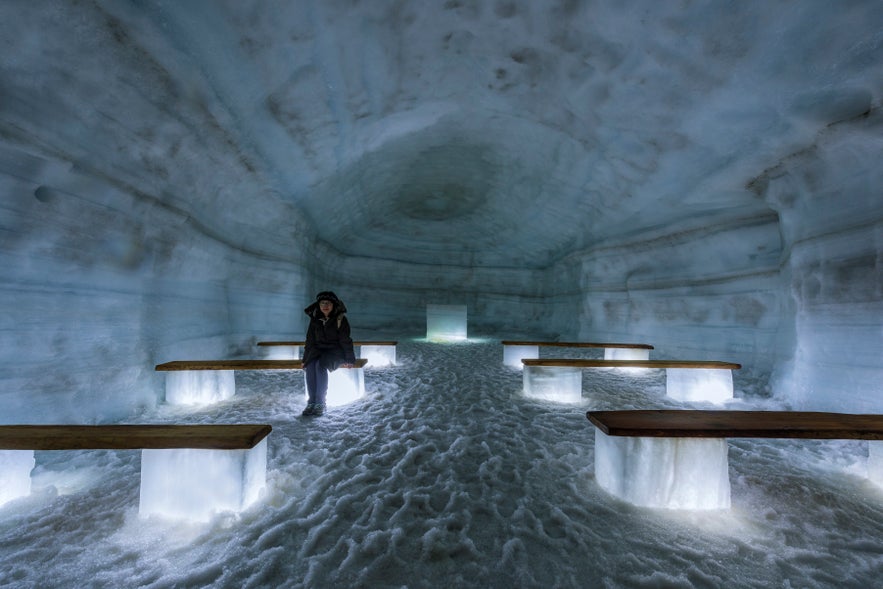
(443,477)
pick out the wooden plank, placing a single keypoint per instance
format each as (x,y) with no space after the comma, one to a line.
(132,437)
(583,363)
(578,345)
(673,423)
(231,365)
(239,365)
(355,343)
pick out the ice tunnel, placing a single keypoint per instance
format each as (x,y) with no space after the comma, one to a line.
(178,180)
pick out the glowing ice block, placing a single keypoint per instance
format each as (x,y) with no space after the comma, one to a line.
(563,384)
(194,484)
(378,355)
(875,461)
(699,384)
(345,385)
(670,473)
(15,474)
(626,354)
(199,387)
(281,352)
(512,355)
(445,322)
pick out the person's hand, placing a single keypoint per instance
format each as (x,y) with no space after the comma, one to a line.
(347,365)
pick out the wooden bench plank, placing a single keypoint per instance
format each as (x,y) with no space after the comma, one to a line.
(675,423)
(578,345)
(585,363)
(240,365)
(132,437)
(355,343)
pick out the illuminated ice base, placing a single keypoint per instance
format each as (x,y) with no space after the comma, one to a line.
(563,384)
(669,473)
(194,484)
(199,387)
(345,385)
(699,384)
(875,461)
(445,322)
(626,354)
(378,355)
(281,352)
(15,474)
(512,355)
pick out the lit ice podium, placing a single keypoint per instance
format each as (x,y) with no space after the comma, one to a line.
(199,382)
(677,459)
(560,379)
(187,471)
(445,323)
(516,351)
(376,353)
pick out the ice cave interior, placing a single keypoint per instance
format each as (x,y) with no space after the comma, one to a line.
(179,179)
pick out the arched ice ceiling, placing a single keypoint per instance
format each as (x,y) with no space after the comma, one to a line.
(508,133)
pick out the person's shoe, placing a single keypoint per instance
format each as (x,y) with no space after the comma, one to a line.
(310,410)
(318,410)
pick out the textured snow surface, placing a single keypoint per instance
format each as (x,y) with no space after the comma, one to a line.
(444,476)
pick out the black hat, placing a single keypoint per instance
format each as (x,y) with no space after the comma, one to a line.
(327,295)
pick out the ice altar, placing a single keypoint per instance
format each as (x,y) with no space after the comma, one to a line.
(445,322)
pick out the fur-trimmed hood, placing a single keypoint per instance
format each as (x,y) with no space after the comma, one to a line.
(326,295)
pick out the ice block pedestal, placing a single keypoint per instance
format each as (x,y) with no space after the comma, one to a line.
(875,461)
(445,322)
(563,384)
(513,354)
(199,387)
(671,473)
(15,474)
(345,385)
(194,484)
(378,354)
(626,354)
(699,384)
(281,352)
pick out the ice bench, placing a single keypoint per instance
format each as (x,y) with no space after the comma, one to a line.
(516,351)
(560,379)
(191,382)
(677,459)
(187,471)
(377,353)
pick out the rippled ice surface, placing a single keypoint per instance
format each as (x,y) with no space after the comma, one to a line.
(444,477)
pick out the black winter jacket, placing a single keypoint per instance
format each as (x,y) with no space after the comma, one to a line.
(328,340)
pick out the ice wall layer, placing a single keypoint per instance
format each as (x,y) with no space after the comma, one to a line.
(701,289)
(830,199)
(101,284)
(133,229)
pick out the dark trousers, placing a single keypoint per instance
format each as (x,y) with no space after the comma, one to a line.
(317,382)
